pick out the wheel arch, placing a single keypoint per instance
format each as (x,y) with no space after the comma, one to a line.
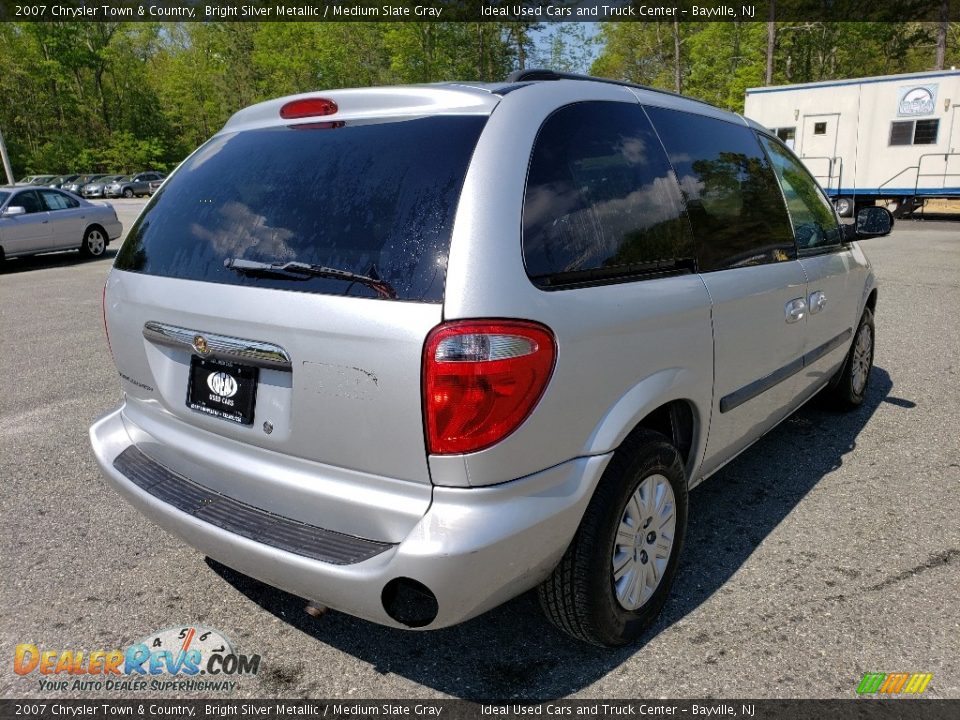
(657,403)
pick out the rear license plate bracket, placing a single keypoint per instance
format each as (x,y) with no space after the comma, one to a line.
(222,389)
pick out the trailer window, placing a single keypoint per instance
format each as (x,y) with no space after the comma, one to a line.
(788,135)
(914,132)
(820,128)
(926,132)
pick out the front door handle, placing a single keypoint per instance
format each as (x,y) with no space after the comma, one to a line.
(796,309)
(817,302)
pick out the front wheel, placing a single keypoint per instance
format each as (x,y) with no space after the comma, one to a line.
(94,242)
(849,386)
(128,193)
(616,575)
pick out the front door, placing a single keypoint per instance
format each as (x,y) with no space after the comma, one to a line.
(834,280)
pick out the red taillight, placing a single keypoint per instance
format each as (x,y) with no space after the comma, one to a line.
(308,107)
(481,379)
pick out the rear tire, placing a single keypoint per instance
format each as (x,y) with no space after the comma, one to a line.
(849,386)
(617,572)
(94,242)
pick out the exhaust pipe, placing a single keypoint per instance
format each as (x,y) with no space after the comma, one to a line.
(315,610)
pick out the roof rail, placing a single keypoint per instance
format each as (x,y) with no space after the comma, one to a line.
(535,74)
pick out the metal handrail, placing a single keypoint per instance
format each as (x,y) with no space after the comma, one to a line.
(944,175)
(909,167)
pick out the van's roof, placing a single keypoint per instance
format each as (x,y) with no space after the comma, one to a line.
(448,98)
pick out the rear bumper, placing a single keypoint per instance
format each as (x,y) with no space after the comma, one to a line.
(474,548)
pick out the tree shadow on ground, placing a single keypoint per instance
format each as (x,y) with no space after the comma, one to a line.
(513,652)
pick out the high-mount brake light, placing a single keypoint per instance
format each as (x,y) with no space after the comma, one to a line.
(308,107)
(481,380)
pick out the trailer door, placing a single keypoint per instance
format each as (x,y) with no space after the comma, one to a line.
(818,148)
(951,178)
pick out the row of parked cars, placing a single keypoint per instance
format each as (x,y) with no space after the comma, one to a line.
(91,185)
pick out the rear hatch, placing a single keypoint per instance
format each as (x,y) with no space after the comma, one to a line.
(277,291)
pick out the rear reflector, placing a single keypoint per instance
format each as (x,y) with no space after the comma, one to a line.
(308,107)
(481,379)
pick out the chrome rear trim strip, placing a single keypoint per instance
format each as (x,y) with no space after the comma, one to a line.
(223,347)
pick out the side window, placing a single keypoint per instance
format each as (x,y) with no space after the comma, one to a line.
(602,202)
(788,135)
(29,201)
(914,132)
(732,195)
(57,201)
(814,222)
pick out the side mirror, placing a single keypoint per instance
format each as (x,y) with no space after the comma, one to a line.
(14,211)
(873,222)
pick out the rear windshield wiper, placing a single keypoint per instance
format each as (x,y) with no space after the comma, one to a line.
(302,271)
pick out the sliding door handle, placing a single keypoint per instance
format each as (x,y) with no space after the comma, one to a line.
(796,309)
(818,301)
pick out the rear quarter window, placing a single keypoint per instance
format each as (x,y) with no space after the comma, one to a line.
(371,198)
(602,203)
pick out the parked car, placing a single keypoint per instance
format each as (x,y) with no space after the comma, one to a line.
(427,363)
(97,188)
(36,180)
(61,180)
(76,185)
(36,220)
(132,185)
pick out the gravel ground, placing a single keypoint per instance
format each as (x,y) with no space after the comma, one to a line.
(829,549)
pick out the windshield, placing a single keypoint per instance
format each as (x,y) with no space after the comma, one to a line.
(375,199)
(3,197)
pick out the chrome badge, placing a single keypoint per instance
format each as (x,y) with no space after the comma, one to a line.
(200,344)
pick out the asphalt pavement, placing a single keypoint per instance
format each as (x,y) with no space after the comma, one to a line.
(829,549)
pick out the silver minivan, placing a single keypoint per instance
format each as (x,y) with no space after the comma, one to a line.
(459,341)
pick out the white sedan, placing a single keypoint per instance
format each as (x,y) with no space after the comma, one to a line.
(36,220)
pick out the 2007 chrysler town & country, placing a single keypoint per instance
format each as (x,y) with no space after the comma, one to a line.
(411,351)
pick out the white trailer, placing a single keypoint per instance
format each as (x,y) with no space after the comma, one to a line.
(892,139)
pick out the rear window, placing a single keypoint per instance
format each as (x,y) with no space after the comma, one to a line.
(375,199)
